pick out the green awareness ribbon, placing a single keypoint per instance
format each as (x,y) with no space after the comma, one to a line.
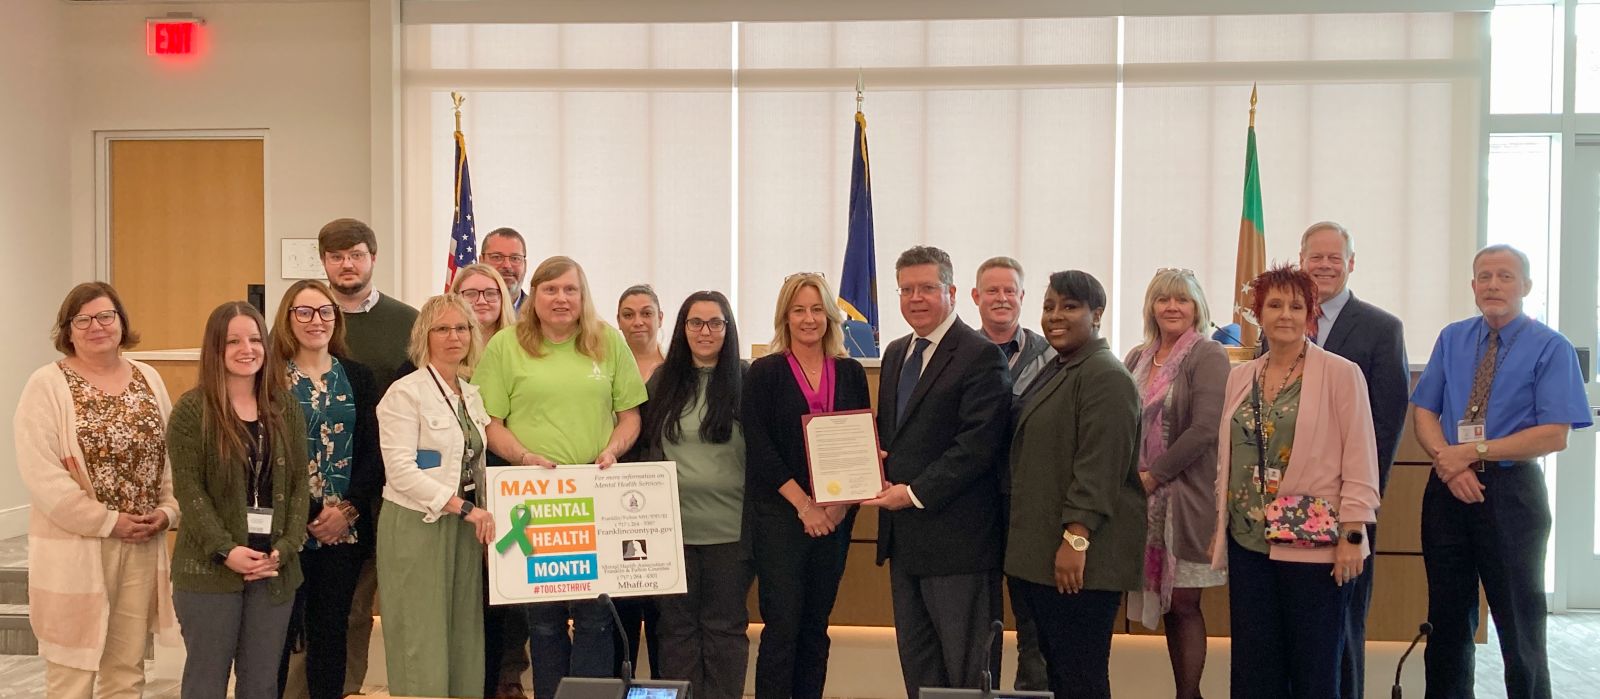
(520,519)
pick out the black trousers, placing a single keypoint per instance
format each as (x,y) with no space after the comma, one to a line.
(1074,636)
(1287,625)
(940,625)
(799,582)
(703,632)
(1500,543)
(505,644)
(641,624)
(323,605)
(1353,664)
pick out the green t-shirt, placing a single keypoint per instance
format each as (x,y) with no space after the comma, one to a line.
(710,477)
(562,405)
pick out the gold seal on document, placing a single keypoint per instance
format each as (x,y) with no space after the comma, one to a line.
(834,488)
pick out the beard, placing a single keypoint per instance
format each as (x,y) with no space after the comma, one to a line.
(351,289)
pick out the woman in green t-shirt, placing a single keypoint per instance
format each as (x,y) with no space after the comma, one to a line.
(562,389)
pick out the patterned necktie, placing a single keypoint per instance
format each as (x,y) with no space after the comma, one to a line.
(1482,379)
(909,374)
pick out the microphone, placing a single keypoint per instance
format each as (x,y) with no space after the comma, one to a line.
(627,664)
(1226,334)
(1422,631)
(996,627)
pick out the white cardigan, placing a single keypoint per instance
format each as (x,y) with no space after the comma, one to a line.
(68,604)
(413,416)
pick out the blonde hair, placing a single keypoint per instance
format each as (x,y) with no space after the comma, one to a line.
(832,338)
(591,335)
(419,353)
(1173,282)
(508,316)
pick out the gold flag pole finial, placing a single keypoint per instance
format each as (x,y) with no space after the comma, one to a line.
(1252,105)
(861,89)
(457,98)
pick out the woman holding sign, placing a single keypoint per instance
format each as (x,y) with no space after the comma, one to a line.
(693,419)
(431,535)
(237,444)
(799,546)
(562,389)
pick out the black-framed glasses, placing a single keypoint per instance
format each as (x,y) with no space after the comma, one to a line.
(715,325)
(495,258)
(304,314)
(104,318)
(472,295)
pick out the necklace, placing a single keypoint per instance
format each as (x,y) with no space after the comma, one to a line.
(1285,383)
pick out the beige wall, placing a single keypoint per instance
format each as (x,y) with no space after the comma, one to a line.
(33,199)
(298,71)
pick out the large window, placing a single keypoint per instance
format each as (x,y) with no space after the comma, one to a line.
(717,155)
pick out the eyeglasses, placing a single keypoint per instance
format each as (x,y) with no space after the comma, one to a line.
(715,325)
(472,295)
(461,329)
(354,256)
(303,314)
(495,258)
(104,318)
(921,290)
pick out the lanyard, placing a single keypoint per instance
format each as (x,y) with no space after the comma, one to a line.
(258,462)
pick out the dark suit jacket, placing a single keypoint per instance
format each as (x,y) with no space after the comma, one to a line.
(950,449)
(1374,340)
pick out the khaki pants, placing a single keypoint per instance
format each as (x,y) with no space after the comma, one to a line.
(130,574)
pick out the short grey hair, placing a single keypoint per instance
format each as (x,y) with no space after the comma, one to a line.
(928,255)
(1527,267)
(1001,262)
(1318,227)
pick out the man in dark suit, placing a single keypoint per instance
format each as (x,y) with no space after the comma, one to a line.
(943,416)
(1374,340)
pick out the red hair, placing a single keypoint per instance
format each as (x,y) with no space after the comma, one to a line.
(1288,278)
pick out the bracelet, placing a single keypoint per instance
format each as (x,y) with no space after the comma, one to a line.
(806,509)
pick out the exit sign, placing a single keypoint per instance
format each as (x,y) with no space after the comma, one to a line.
(169,38)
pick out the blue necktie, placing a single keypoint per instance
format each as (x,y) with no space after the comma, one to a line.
(908,381)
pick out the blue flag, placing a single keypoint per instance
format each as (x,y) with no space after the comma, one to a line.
(858,286)
(463,234)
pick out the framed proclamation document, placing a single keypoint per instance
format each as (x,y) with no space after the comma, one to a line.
(842,455)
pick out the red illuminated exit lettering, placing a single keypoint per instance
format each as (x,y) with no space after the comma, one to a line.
(169,38)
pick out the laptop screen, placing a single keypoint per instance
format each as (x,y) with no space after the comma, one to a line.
(637,692)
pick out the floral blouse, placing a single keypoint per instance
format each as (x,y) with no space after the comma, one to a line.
(1247,497)
(330,411)
(123,441)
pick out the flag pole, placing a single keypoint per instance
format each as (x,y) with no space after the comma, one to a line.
(1252,109)
(861,90)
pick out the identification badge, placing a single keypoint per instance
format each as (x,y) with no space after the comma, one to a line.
(1274,475)
(1468,432)
(259,520)
(470,487)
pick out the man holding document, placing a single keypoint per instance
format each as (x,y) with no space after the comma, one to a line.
(943,418)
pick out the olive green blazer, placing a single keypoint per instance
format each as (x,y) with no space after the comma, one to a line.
(1075,458)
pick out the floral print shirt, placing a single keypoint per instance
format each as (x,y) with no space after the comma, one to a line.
(123,441)
(330,410)
(1247,497)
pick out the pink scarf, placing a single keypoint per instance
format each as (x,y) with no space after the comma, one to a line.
(1160,565)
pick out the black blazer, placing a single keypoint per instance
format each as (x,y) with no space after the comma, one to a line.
(951,450)
(1374,340)
(770,412)
(366,474)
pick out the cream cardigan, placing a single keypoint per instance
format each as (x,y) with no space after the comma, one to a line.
(68,605)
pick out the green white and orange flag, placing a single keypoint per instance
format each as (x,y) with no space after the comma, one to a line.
(1252,259)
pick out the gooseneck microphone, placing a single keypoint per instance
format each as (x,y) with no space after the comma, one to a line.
(996,627)
(1227,334)
(627,664)
(1422,631)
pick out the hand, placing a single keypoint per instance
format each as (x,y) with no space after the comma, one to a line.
(133,529)
(1069,569)
(606,459)
(532,459)
(245,560)
(816,521)
(330,525)
(1347,561)
(836,514)
(268,569)
(1149,482)
(1454,459)
(483,524)
(158,519)
(895,496)
(1466,487)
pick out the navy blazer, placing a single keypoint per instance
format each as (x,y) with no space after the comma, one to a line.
(1374,340)
(951,450)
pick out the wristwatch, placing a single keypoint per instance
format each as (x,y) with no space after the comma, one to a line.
(1078,543)
(466,508)
(1483,450)
(1355,536)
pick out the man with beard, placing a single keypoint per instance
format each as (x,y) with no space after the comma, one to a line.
(507,251)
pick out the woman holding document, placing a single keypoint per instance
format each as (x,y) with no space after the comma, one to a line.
(799,546)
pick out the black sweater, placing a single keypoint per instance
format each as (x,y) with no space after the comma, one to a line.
(772,406)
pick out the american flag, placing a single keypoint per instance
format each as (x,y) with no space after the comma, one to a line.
(463,235)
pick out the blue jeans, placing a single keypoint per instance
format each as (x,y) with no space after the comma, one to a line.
(587,652)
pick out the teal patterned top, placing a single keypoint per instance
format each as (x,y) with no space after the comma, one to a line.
(1246,501)
(330,411)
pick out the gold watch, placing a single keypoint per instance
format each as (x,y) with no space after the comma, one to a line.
(1078,543)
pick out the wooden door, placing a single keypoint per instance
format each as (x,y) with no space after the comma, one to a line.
(187,230)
